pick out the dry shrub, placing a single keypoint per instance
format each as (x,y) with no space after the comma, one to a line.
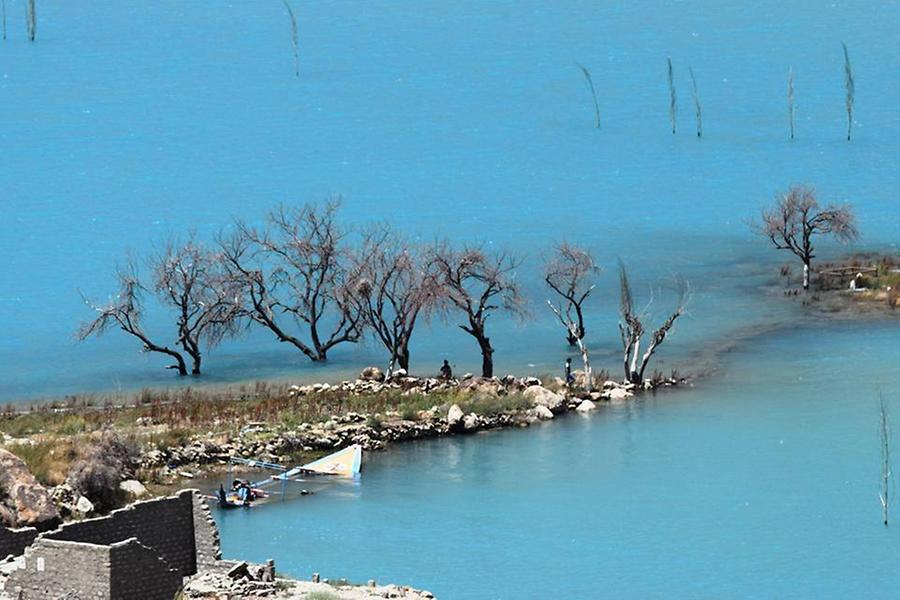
(103,467)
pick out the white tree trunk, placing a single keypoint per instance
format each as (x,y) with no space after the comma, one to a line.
(805,276)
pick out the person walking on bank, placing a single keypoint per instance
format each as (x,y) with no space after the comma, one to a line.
(446,371)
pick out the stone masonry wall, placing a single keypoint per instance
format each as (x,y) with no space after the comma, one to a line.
(14,541)
(140,552)
(54,569)
(165,525)
(206,535)
(137,573)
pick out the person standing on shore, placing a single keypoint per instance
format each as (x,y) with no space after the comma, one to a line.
(446,371)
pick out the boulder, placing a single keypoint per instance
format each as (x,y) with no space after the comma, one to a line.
(84,506)
(454,415)
(586,406)
(490,386)
(618,394)
(542,412)
(133,488)
(372,374)
(470,422)
(28,499)
(541,396)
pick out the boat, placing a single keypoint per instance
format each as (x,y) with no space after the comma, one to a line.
(343,463)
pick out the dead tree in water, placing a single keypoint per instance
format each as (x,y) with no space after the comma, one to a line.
(797,218)
(295,42)
(673,100)
(632,328)
(697,109)
(850,89)
(572,331)
(590,82)
(188,279)
(790,98)
(31,20)
(3,5)
(191,280)
(125,310)
(294,275)
(479,283)
(570,273)
(393,290)
(884,433)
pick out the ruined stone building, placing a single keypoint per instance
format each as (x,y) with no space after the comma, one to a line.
(143,551)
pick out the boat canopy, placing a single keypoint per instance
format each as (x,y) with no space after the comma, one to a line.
(344,463)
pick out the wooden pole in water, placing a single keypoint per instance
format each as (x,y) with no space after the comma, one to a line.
(884,432)
(790,93)
(850,88)
(3,2)
(295,43)
(697,109)
(673,100)
(31,19)
(590,81)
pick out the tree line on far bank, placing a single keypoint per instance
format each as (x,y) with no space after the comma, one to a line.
(315,284)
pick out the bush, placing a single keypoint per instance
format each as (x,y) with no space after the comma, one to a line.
(104,466)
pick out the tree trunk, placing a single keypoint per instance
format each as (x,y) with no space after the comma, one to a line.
(806,274)
(179,365)
(195,366)
(487,357)
(403,357)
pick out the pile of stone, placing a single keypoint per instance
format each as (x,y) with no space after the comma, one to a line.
(376,431)
(255,581)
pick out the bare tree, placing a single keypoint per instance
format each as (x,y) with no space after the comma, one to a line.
(797,218)
(125,311)
(295,42)
(590,82)
(884,433)
(570,272)
(632,328)
(479,283)
(697,109)
(790,98)
(393,289)
(31,20)
(294,275)
(190,279)
(572,329)
(850,89)
(673,99)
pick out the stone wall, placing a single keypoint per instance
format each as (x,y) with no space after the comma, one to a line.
(165,525)
(206,535)
(14,541)
(54,569)
(137,573)
(141,552)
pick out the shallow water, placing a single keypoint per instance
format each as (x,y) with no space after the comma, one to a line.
(130,122)
(464,120)
(760,483)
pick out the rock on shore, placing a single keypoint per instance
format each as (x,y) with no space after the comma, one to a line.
(23,501)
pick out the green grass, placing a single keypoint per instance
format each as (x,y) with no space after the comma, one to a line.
(48,461)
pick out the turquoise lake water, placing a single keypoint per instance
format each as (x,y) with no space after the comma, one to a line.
(128,122)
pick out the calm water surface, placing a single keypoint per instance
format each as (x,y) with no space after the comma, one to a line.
(760,484)
(130,121)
